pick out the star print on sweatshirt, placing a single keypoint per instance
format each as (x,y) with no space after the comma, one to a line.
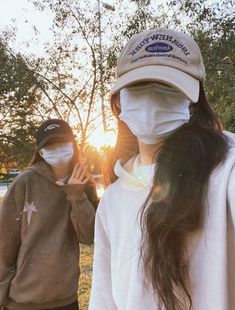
(29,208)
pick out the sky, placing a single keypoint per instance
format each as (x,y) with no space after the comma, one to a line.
(22,15)
(33,26)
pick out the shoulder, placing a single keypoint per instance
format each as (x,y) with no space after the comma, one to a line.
(108,198)
(22,179)
(20,182)
(231,181)
(16,189)
(24,175)
(231,193)
(220,175)
(231,163)
(230,158)
(111,190)
(231,137)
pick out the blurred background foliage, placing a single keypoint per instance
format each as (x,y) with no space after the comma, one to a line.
(73,79)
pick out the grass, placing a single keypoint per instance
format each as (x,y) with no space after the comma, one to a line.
(86,259)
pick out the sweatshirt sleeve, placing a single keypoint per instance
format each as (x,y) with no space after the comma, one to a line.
(90,191)
(101,292)
(82,214)
(231,194)
(10,236)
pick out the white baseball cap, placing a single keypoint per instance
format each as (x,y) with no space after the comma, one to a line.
(162,55)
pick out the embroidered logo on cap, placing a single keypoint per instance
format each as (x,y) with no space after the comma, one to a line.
(159,47)
(52,126)
(160,37)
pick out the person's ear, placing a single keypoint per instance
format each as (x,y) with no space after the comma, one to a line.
(118,103)
(40,152)
(115,103)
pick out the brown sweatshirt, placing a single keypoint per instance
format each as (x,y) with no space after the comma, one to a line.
(41,226)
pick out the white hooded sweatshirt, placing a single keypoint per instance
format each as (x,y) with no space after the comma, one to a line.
(117,272)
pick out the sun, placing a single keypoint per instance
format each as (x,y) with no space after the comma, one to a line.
(99,138)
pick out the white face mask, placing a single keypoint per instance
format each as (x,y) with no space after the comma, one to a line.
(153,111)
(58,155)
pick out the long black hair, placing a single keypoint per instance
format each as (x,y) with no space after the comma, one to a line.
(184,165)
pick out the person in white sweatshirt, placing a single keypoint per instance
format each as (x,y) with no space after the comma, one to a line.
(164,231)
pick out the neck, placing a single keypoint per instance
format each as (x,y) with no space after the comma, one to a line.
(60,172)
(148,152)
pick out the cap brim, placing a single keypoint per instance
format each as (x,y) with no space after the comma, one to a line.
(184,82)
(54,136)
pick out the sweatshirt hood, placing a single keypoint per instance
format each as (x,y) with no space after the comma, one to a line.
(133,175)
(43,169)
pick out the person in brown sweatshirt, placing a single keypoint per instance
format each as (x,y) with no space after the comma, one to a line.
(48,210)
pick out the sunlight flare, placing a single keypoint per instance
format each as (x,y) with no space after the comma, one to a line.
(100,139)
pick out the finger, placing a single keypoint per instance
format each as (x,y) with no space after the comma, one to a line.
(79,172)
(83,161)
(83,176)
(75,169)
(87,169)
(85,181)
(88,175)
